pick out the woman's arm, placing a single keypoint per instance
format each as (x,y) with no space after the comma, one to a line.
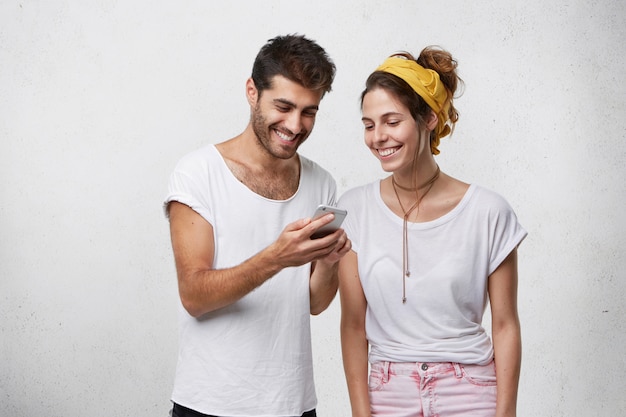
(353,340)
(507,340)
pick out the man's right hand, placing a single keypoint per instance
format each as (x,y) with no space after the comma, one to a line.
(294,246)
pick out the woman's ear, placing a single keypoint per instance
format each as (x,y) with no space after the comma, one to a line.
(252,94)
(432,120)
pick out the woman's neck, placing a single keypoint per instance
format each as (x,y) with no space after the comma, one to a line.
(416,178)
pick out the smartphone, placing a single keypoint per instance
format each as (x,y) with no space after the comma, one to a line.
(332,226)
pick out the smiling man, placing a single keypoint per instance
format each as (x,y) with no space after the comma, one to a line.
(249,274)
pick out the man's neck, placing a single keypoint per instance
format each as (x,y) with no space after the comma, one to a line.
(266,175)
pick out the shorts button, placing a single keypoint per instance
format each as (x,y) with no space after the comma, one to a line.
(424,367)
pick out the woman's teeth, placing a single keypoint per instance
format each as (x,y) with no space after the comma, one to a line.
(387,151)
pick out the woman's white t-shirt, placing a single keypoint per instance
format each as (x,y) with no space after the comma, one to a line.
(450,259)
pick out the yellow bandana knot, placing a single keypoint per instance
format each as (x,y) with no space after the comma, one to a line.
(428,85)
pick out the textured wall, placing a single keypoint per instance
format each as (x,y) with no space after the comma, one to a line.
(99,99)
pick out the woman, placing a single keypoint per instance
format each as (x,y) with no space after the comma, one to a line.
(427,251)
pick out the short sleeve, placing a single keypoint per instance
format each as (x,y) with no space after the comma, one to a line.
(349,202)
(505,232)
(189,185)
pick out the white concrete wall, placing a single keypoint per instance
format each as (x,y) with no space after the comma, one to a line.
(99,99)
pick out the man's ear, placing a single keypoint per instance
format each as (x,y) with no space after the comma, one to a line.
(252,94)
(432,120)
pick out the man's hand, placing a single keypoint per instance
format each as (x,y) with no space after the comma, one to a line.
(294,246)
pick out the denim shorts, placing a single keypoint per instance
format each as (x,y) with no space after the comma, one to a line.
(417,389)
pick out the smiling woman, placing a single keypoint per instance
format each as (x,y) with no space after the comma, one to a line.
(458,243)
(389,129)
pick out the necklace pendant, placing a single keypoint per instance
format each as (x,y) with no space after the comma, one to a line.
(403,300)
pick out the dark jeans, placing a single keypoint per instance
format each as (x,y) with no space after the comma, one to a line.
(180,411)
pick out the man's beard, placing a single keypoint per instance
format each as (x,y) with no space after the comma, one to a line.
(263,133)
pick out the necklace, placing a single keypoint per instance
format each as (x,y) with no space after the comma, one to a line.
(405,234)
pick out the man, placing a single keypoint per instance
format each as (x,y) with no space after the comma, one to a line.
(249,274)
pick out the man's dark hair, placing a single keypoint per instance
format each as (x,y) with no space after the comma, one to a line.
(296,58)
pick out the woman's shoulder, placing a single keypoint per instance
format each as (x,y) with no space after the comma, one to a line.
(359,192)
(489,199)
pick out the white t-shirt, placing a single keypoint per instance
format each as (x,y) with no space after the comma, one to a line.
(253,357)
(450,259)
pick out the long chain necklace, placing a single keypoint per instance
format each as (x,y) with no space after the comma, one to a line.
(405,234)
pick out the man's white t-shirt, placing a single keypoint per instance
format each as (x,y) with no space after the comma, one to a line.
(450,259)
(253,357)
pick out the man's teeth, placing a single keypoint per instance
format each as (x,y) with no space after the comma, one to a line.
(284,136)
(386,152)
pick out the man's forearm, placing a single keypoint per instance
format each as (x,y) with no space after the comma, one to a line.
(203,291)
(323,285)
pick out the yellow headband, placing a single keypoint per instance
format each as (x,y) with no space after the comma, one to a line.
(428,85)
